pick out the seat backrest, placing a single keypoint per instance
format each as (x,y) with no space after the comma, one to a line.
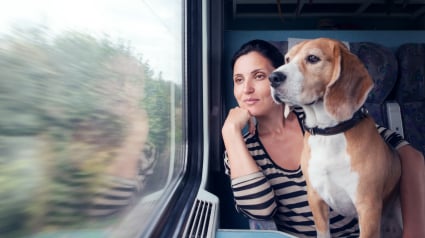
(410,92)
(282,46)
(381,64)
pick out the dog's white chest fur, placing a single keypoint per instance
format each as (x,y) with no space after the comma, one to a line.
(330,172)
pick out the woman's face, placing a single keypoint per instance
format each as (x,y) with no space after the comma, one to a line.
(251,84)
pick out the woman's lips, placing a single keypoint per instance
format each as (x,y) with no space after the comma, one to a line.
(250,101)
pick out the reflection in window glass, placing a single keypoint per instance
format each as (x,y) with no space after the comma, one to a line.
(90,114)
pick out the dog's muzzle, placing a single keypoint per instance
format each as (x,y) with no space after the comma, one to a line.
(276,78)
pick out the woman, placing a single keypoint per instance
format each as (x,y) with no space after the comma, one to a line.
(264,164)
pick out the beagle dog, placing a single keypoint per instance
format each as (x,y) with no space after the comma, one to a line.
(346,163)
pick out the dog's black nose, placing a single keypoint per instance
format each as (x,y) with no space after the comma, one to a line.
(276,78)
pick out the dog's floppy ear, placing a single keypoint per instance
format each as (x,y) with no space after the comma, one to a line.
(349,87)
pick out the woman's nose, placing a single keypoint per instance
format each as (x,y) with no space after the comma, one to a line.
(248,87)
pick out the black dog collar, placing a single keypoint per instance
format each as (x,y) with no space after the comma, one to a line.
(341,127)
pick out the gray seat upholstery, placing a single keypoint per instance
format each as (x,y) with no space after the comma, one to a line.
(410,93)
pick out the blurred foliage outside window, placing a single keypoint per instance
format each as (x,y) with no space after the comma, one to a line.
(85,130)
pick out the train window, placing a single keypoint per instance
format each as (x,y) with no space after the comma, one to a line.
(91,115)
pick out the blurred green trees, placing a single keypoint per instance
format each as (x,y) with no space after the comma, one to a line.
(65,102)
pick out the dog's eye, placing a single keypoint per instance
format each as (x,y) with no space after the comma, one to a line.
(287,59)
(313,59)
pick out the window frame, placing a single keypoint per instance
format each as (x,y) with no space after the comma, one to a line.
(171,221)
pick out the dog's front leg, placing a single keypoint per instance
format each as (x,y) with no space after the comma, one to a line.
(369,211)
(320,210)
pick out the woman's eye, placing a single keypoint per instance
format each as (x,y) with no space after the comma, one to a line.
(313,59)
(260,76)
(238,80)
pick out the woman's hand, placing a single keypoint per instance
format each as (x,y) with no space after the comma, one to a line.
(238,118)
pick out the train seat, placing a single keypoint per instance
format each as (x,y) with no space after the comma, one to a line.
(381,64)
(410,92)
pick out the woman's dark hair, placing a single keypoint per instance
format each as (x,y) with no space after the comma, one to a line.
(264,48)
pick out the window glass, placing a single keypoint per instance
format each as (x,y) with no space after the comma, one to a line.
(90,115)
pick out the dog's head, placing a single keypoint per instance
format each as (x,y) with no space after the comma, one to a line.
(322,70)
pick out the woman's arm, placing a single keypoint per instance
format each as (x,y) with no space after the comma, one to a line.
(252,192)
(253,195)
(240,160)
(412,188)
(412,184)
